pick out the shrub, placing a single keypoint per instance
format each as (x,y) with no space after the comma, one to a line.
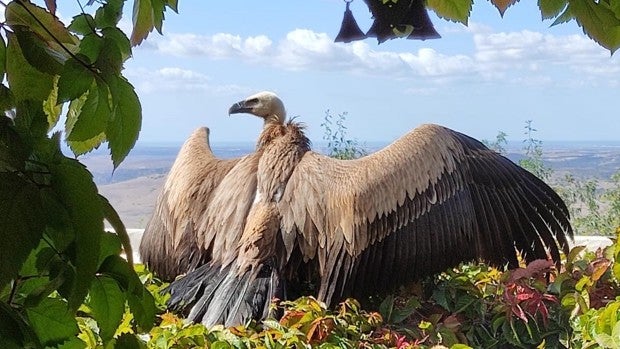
(335,133)
(471,306)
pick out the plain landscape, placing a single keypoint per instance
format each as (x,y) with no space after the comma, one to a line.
(133,188)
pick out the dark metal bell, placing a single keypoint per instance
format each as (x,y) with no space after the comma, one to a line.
(417,16)
(349,30)
(402,19)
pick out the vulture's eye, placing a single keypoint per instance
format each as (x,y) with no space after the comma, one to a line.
(253,101)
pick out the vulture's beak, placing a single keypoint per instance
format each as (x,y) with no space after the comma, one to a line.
(239,107)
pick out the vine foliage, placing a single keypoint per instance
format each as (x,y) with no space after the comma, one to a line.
(56,259)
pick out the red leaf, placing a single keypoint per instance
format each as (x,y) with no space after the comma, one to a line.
(534,269)
(320,329)
(291,317)
(502,5)
(51,6)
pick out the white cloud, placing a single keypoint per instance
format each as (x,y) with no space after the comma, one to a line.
(177,79)
(218,46)
(533,46)
(531,49)
(429,62)
(518,57)
(304,49)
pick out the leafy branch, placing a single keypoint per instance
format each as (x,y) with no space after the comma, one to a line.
(600,20)
(533,160)
(57,260)
(335,133)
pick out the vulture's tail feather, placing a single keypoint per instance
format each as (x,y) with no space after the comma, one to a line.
(213,295)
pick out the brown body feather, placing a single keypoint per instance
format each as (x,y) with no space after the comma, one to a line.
(430,200)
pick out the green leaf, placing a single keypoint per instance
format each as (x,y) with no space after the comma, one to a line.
(7,101)
(110,59)
(115,221)
(37,53)
(52,321)
(565,17)
(598,22)
(141,302)
(14,331)
(91,46)
(36,295)
(109,14)
(82,147)
(159,7)
(13,150)
(73,343)
(25,81)
(614,5)
(21,223)
(51,107)
(110,246)
(59,228)
(31,122)
(126,341)
(38,20)
(454,10)
(143,21)
(2,57)
(386,307)
(551,8)
(75,79)
(94,114)
(76,190)
(605,340)
(143,308)
(107,302)
(118,268)
(460,346)
(173,4)
(38,260)
(126,121)
(120,40)
(82,24)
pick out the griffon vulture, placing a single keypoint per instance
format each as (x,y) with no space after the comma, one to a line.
(249,229)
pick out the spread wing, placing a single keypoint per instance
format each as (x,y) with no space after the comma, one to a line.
(431,199)
(178,236)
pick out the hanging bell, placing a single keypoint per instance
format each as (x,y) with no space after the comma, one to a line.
(387,17)
(402,19)
(349,30)
(421,26)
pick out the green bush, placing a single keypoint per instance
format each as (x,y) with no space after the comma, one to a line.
(471,306)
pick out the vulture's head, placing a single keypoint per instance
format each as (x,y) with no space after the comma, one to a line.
(264,104)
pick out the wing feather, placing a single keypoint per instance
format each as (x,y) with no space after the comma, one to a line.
(169,242)
(222,221)
(429,200)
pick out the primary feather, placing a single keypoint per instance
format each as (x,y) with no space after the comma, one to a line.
(245,230)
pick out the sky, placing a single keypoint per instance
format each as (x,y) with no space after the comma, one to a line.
(489,76)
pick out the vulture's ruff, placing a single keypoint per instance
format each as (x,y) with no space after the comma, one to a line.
(248,229)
